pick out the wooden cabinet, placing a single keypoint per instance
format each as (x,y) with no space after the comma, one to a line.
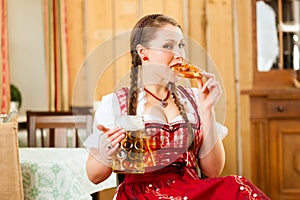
(275,141)
(275,108)
(286,163)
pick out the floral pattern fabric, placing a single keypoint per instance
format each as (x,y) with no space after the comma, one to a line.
(58,173)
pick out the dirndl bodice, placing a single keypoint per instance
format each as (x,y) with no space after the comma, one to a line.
(168,142)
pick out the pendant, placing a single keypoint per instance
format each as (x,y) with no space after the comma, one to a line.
(164,104)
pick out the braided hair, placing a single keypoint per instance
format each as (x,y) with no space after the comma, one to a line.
(141,36)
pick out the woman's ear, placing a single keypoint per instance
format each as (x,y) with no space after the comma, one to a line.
(142,51)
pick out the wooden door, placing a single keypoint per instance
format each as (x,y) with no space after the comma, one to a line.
(284,139)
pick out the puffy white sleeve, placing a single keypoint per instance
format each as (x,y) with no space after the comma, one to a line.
(105,115)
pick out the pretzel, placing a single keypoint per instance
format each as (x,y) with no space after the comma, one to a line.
(186,71)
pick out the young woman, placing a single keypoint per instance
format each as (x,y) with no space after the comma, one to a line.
(180,124)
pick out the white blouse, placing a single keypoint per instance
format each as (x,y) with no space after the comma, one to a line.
(109,108)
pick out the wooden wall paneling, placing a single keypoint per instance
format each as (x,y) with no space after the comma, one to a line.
(174,9)
(76,43)
(244,79)
(99,22)
(245,134)
(101,70)
(148,8)
(197,34)
(99,33)
(220,45)
(197,21)
(126,14)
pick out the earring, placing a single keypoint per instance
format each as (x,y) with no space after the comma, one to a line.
(145,58)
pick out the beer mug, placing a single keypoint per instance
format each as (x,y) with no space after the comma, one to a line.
(129,158)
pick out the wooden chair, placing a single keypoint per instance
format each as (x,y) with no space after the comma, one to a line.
(10,176)
(56,124)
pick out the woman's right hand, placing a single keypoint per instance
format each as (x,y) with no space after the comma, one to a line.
(109,142)
(98,166)
(209,92)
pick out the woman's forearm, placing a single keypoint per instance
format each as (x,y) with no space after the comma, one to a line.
(211,155)
(95,169)
(213,163)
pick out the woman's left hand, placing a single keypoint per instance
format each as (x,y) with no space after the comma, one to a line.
(209,92)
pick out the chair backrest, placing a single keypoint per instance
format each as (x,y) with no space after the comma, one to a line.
(57,125)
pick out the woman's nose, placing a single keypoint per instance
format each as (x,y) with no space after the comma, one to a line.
(179,53)
(178,57)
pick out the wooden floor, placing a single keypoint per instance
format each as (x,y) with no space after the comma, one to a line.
(105,194)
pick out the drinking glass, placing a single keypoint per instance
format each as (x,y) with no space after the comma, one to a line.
(130,156)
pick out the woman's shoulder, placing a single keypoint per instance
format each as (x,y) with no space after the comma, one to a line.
(107,100)
(121,91)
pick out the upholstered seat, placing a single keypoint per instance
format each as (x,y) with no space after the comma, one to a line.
(10,176)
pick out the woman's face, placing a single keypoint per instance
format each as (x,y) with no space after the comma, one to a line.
(165,50)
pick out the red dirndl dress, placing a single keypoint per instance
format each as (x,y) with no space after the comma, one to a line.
(171,171)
